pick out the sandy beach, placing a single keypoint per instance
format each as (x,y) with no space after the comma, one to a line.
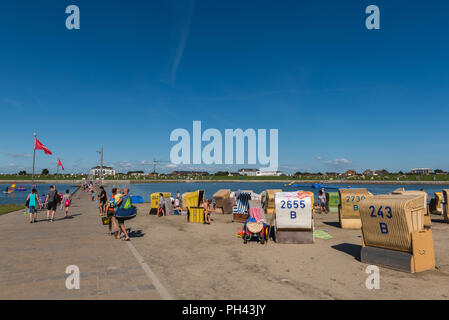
(198,261)
(195,261)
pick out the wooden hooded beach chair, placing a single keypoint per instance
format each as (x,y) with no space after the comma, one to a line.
(436,202)
(427,219)
(393,233)
(348,210)
(446,205)
(220,196)
(270,201)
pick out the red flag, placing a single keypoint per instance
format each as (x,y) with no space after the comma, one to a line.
(60,164)
(39,146)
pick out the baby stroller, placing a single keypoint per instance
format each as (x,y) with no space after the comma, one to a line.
(254,228)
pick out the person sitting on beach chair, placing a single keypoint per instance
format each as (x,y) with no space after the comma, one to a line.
(207,210)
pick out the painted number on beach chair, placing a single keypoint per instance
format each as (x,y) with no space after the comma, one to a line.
(292,214)
(383,228)
(355,198)
(380,212)
(376,213)
(293,204)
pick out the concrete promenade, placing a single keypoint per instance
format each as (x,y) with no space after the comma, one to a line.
(34,258)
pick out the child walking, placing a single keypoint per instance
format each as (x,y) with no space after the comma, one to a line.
(67,201)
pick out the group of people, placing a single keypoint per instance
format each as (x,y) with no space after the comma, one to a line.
(108,207)
(50,201)
(177,205)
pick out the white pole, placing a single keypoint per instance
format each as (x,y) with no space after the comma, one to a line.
(34,159)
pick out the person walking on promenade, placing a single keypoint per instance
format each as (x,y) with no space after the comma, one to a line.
(103,198)
(322,199)
(42,201)
(67,201)
(161,208)
(120,221)
(33,200)
(59,198)
(118,195)
(110,209)
(52,203)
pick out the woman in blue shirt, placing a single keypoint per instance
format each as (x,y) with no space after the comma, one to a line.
(33,200)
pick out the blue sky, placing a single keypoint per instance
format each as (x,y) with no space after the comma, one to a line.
(343,97)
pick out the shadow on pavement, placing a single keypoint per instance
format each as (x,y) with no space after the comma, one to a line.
(332,224)
(349,248)
(135,233)
(441,220)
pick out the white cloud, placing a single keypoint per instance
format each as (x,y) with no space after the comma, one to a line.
(338,162)
(20,155)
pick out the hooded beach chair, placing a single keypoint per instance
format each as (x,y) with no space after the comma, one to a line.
(242,202)
(240,211)
(168,207)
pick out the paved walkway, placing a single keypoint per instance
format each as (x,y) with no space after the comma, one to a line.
(34,258)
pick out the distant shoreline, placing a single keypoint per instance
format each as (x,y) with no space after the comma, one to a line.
(325,182)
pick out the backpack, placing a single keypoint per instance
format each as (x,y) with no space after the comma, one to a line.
(111,201)
(57,198)
(128,203)
(67,202)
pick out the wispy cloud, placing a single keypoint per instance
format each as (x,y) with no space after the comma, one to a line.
(182,13)
(339,163)
(12,102)
(20,155)
(122,165)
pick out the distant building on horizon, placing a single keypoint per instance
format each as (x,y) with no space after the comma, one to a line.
(259,173)
(107,171)
(382,172)
(350,173)
(248,172)
(425,171)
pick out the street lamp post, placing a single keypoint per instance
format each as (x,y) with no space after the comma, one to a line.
(101,165)
(34,158)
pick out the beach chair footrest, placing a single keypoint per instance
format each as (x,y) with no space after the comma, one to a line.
(294,236)
(397,260)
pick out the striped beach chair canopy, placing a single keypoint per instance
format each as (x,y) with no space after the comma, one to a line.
(242,202)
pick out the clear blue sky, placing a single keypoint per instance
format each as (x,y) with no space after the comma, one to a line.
(342,97)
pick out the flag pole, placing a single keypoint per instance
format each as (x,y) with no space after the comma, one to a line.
(34,159)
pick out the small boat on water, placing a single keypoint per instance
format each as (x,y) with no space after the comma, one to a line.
(10,189)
